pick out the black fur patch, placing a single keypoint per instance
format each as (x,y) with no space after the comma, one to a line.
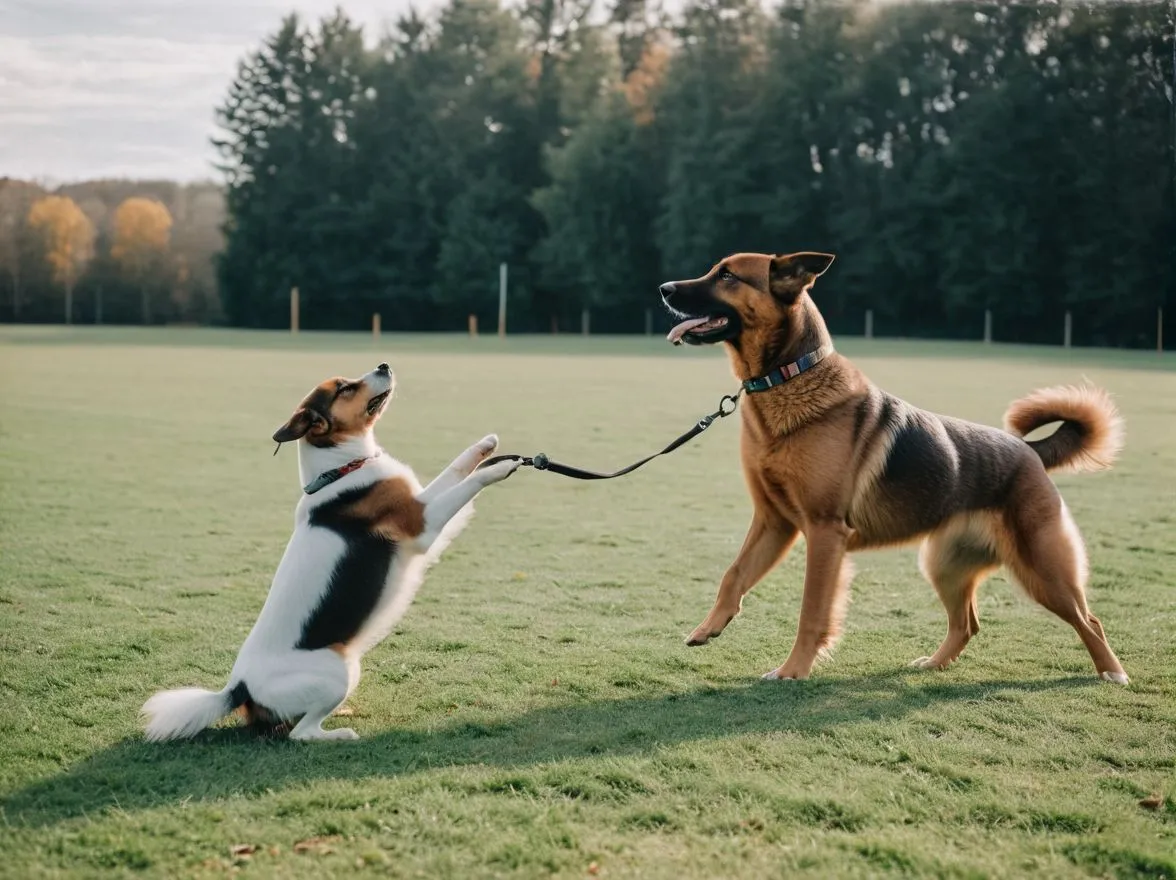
(919,474)
(358,580)
(940,466)
(1059,445)
(886,411)
(859,417)
(990,460)
(239,695)
(262,720)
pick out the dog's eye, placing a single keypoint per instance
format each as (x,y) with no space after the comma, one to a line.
(725,275)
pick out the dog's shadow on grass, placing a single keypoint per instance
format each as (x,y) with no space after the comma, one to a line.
(135,775)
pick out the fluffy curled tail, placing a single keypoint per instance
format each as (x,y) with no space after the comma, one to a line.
(183,713)
(1091,433)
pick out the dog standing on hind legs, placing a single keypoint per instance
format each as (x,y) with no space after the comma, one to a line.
(364,534)
(828,454)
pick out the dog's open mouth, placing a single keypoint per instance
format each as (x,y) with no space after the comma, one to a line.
(696,327)
(376,402)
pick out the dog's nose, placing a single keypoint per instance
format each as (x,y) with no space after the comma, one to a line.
(667,288)
(382,368)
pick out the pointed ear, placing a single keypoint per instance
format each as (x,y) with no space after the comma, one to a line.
(813,263)
(792,274)
(299,425)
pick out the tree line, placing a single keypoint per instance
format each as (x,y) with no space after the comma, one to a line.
(957,156)
(110,251)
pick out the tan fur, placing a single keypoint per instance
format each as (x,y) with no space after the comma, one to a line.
(391,509)
(1085,405)
(829,455)
(868,466)
(335,410)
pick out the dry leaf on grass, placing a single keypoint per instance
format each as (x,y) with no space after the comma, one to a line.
(1152,802)
(344,712)
(319,846)
(242,849)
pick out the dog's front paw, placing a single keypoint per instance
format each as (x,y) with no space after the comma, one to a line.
(485,446)
(499,471)
(711,628)
(787,672)
(1115,677)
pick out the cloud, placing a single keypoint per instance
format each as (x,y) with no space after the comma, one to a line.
(95,88)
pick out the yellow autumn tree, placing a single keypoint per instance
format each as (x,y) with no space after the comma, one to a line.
(142,234)
(68,238)
(641,85)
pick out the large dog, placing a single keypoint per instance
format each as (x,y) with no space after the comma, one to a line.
(364,533)
(828,454)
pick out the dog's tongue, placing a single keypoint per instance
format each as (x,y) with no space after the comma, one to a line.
(675,335)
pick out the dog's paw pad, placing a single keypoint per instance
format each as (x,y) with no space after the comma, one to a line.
(776,675)
(500,471)
(1115,677)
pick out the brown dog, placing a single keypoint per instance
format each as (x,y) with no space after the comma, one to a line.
(828,454)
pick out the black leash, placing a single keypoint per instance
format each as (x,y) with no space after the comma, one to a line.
(541,462)
(727,405)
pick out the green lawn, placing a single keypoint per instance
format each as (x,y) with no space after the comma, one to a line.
(537,712)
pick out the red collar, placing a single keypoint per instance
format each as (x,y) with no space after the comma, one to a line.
(325,479)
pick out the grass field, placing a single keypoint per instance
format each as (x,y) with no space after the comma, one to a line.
(537,712)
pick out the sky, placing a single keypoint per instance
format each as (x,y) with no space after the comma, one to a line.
(127,88)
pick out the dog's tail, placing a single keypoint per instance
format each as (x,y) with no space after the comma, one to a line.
(1091,432)
(183,713)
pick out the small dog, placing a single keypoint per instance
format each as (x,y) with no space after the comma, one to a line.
(364,534)
(828,454)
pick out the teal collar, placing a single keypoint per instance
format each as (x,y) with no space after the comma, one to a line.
(780,375)
(325,479)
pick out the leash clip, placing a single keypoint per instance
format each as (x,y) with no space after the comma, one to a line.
(733,400)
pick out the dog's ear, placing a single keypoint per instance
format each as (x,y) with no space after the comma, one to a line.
(299,425)
(790,275)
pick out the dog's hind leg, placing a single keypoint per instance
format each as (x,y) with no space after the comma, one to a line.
(1047,556)
(310,684)
(765,545)
(956,561)
(460,468)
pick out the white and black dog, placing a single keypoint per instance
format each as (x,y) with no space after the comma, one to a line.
(364,534)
